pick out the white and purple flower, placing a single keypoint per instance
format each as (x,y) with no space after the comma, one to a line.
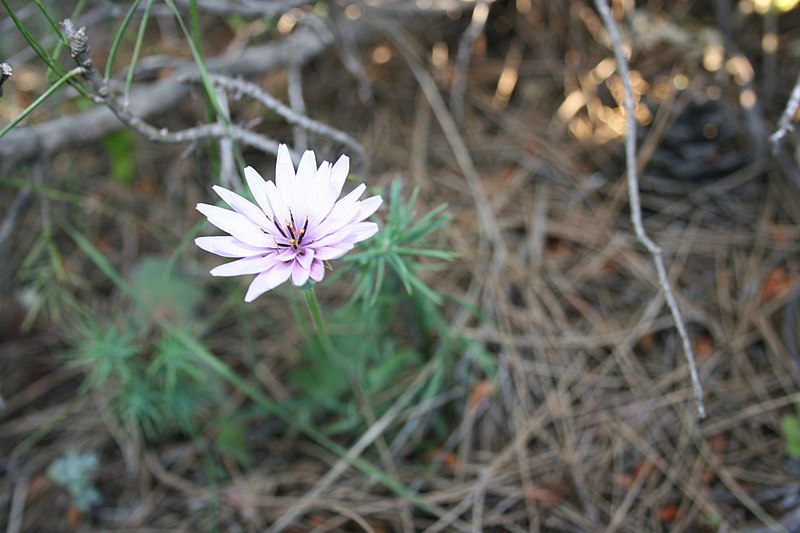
(299,223)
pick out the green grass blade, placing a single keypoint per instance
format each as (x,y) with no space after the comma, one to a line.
(53,88)
(208,86)
(137,48)
(33,42)
(112,55)
(51,21)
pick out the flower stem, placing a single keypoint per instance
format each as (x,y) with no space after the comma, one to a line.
(319,325)
(334,354)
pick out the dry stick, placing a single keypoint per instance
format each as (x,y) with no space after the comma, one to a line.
(228,176)
(153,99)
(255,92)
(265,10)
(18,496)
(785,123)
(636,210)
(79,46)
(348,53)
(464,57)
(298,105)
(5,72)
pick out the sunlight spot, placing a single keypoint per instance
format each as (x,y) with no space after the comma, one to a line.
(748,99)
(680,82)
(769,43)
(381,54)
(713,57)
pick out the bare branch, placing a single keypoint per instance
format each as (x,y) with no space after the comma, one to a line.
(298,104)
(464,57)
(785,123)
(79,46)
(5,72)
(24,143)
(254,91)
(635,204)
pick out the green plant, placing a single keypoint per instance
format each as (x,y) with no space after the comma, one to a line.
(74,472)
(392,325)
(399,249)
(154,383)
(790,426)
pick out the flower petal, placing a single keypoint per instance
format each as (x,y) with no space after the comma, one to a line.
(342,213)
(243,206)
(338,176)
(315,198)
(362,230)
(279,207)
(284,174)
(227,246)
(258,187)
(317,270)
(299,274)
(268,280)
(321,202)
(369,206)
(349,235)
(236,224)
(247,265)
(334,251)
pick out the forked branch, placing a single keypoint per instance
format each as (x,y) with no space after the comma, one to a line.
(635,204)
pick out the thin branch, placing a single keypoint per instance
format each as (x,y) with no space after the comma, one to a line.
(228,176)
(79,46)
(149,100)
(298,104)
(785,123)
(255,92)
(18,206)
(247,8)
(5,72)
(635,204)
(464,57)
(342,30)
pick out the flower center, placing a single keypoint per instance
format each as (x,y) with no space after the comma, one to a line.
(292,234)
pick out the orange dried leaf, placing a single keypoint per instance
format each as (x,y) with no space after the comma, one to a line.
(480,392)
(668,513)
(780,233)
(37,487)
(625,480)
(609,267)
(776,284)
(543,496)
(74,517)
(318,521)
(703,346)
(450,459)
(718,443)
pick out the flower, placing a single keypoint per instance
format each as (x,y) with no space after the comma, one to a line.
(296,226)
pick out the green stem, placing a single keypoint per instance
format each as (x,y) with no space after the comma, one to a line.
(319,324)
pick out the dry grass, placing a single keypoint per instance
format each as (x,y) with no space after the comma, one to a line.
(589,424)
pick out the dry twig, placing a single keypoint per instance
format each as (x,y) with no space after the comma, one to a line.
(785,123)
(5,72)
(635,204)
(464,57)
